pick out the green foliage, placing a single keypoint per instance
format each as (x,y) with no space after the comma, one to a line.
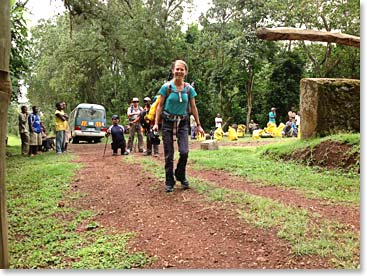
(19,54)
(12,123)
(284,86)
(108,52)
(44,235)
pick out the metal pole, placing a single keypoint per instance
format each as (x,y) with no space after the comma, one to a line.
(105,146)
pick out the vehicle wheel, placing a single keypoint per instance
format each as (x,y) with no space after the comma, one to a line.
(75,140)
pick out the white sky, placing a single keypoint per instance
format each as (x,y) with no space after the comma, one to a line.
(45,9)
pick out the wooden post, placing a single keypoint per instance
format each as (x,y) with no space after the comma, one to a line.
(5,93)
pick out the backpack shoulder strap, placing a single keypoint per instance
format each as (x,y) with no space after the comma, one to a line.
(169,89)
(187,86)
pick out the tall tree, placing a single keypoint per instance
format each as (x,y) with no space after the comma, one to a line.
(106,52)
(19,54)
(285,84)
(5,94)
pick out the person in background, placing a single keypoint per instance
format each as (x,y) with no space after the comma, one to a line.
(290,129)
(60,127)
(47,143)
(147,126)
(117,132)
(193,127)
(35,136)
(272,115)
(67,130)
(173,110)
(218,121)
(252,126)
(133,113)
(24,129)
(298,120)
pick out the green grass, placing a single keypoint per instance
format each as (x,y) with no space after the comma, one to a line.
(249,163)
(43,235)
(305,231)
(278,150)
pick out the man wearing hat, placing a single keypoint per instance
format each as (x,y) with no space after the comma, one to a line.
(118,139)
(133,113)
(272,115)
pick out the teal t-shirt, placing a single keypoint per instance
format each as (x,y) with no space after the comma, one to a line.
(271,117)
(172,104)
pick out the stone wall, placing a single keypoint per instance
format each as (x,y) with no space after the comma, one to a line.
(329,106)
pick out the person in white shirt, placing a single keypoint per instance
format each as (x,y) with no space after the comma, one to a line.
(298,120)
(133,113)
(218,121)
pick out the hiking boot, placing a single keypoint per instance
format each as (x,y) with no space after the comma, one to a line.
(125,153)
(147,153)
(114,154)
(184,182)
(156,154)
(169,189)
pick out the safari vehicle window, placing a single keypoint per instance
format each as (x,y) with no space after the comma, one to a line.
(90,113)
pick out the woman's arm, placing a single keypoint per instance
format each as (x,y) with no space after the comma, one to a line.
(195,112)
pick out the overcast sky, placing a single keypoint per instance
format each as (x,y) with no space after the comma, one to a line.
(47,8)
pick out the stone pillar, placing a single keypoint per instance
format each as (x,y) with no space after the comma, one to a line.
(329,106)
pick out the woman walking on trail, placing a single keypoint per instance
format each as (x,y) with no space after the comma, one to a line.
(176,98)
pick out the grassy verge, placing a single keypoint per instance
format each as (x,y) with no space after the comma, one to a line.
(43,233)
(279,150)
(307,233)
(250,163)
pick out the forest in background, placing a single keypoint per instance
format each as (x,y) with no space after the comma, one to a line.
(108,52)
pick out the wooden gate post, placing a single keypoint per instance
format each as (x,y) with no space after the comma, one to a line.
(5,94)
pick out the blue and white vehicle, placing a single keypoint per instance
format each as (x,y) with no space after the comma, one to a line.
(87,122)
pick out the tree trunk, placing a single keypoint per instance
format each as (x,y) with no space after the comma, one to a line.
(5,93)
(250,85)
(226,122)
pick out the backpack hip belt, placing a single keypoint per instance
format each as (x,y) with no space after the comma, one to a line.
(173,118)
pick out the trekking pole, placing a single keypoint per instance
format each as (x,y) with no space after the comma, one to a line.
(105,146)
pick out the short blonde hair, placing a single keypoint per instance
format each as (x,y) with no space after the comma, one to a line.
(180,61)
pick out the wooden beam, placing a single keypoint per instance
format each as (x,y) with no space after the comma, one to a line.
(299,34)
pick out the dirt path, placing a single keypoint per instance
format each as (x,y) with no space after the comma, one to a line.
(182,229)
